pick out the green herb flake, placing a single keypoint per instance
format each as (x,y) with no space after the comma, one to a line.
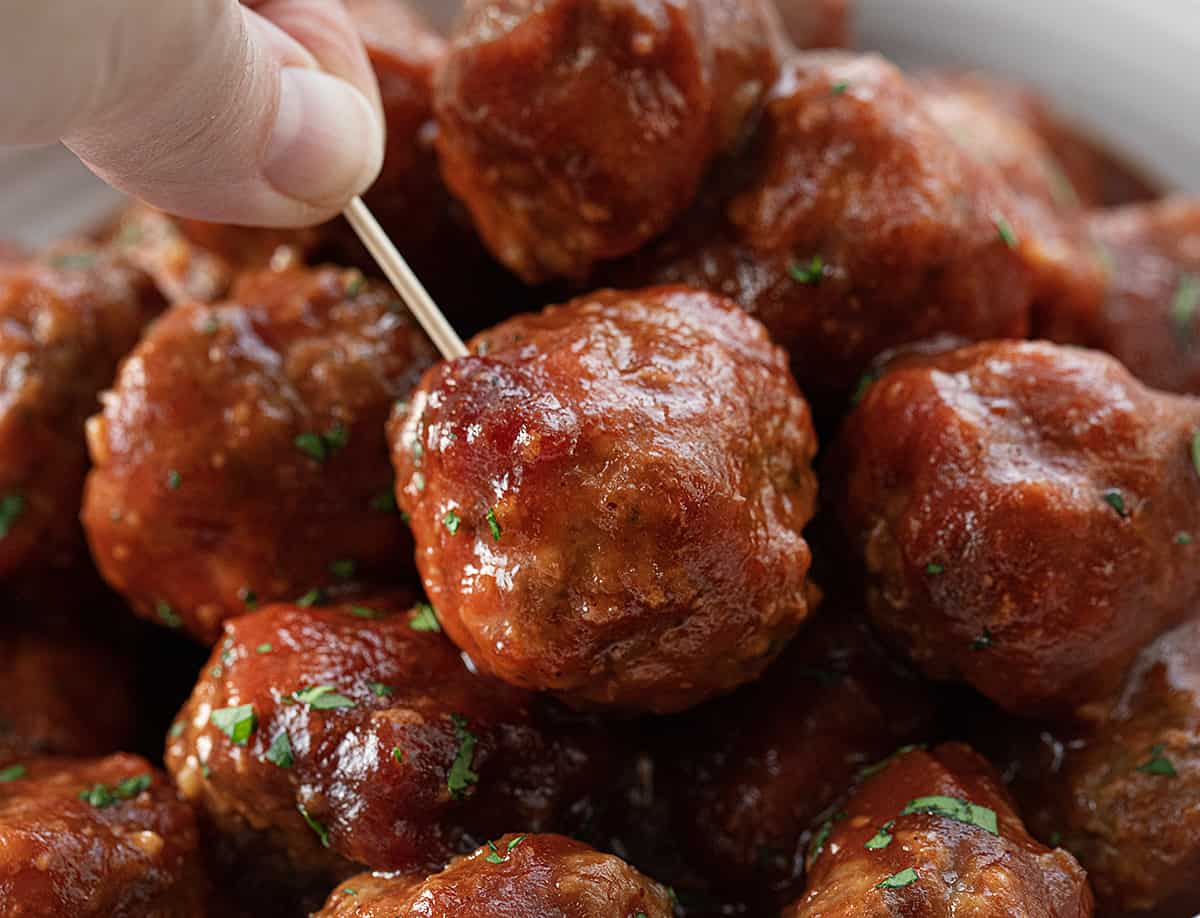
(871,770)
(451,521)
(280,752)
(354,283)
(1185,306)
(864,384)
(249,598)
(955,808)
(384,502)
(343,569)
(174,480)
(365,612)
(839,87)
(1196,451)
(808,274)
(821,838)
(984,641)
(323,698)
(398,755)
(211,326)
(424,618)
(1115,499)
(12,773)
(320,446)
(349,891)
(167,615)
(460,778)
(264,648)
(103,795)
(238,723)
(934,570)
(11,508)
(314,597)
(320,830)
(494,856)
(177,729)
(1183,538)
(1158,764)
(1005,230)
(495,526)
(381,690)
(905,877)
(882,838)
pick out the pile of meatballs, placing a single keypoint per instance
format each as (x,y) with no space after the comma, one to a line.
(832,549)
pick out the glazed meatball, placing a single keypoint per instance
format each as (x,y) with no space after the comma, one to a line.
(857,224)
(608,499)
(324,738)
(1121,789)
(65,322)
(934,834)
(1147,314)
(1023,511)
(751,774)
(534,875)
(576,130)
(97,837)
(241,455)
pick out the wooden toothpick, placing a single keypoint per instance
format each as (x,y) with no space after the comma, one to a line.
(414,294)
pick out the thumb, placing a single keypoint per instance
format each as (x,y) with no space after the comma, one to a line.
(260,114)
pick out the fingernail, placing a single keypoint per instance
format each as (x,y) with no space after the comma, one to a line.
(327,143)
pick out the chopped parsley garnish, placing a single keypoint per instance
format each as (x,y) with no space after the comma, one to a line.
(365,612)
(398,755)
(984,641)
(354,283)
(320,446)
(177,729)
(424,618)
(495,526)
(348,891)
(249,597)
(12,773)
(104,795)
(819,840)
(322,832)
(1158,764)
(955,808)
(1196,451)
(167,615)
(460,777)
(314,597)
(1115,499)
(381,690)
(870,770)
(11,508)
(280,752)
(1185,305)
(1183,538)
(384,502)
(864,383)
(174,480)
(343,569)
(451,521)
(323,698)
(494,856)
(935,569)
(809,274)
(905,877)
(238,723)
(839,87)
(264,648)
(882,838)
(1004,228)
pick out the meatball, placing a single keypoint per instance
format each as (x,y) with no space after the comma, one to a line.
(934,834)
(608,499)
(752,774)
(1148,312)
(534,875)
(65,322)
(1023,512)
(355,734)
(241,455)
(576,130)
(97,837)
(856,224)
(1121,789)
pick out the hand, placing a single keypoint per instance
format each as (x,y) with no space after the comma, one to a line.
(262,113)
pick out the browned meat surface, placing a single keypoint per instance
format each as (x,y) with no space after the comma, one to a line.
(241,456)
(608,498)
(1021,510)
(933,835)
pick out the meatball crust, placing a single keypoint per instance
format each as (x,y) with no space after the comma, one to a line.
(241,454)
(354,734)
(534,875)
(1147,314)
(65,322)
(97,837)
(751,774)
(1121,788)
(855,225)
(576,130)
(934,834)
(608,499)
(1025,514)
